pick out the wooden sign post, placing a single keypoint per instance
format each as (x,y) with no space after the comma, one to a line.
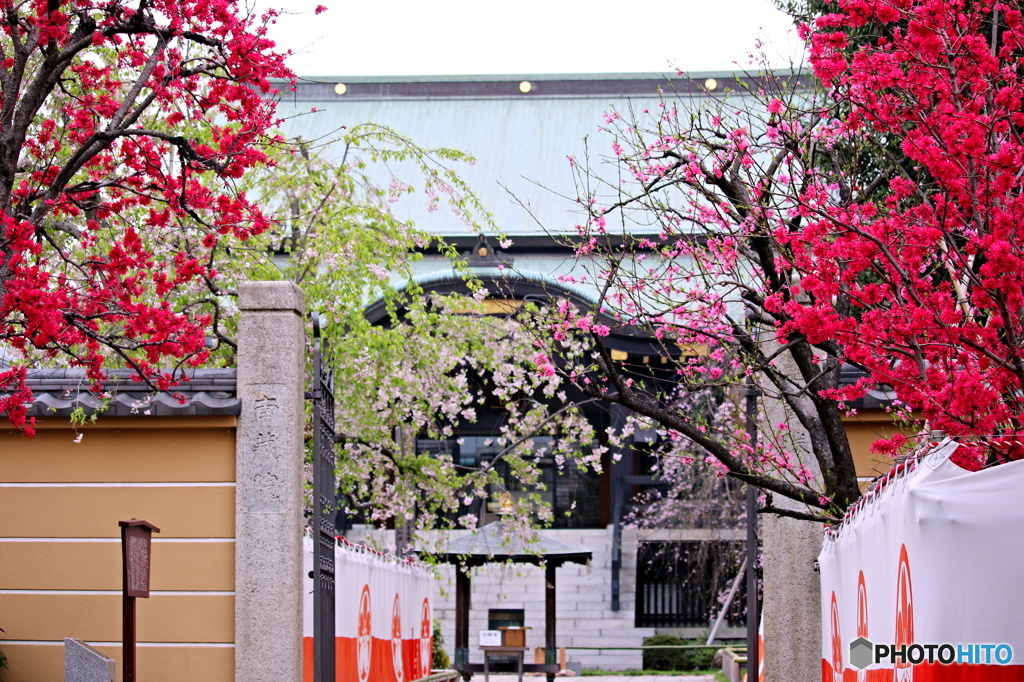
(136,540)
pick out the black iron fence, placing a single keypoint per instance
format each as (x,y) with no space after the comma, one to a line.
(681,584)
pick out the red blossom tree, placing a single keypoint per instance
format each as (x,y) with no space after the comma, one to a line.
(788,233)
(123,126)
(932,276)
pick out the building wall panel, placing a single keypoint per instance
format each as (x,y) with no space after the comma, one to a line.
(93,511)
(63,565)
(60,550)
(122,450)
(96,617)
(45,662)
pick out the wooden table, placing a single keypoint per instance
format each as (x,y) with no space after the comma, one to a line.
(518,651)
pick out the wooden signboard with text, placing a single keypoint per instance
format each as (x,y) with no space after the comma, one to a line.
(136,545)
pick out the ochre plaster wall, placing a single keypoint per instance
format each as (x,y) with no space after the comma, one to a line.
(863,429)
(60,550)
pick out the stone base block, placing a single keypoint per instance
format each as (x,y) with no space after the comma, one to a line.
(82,663)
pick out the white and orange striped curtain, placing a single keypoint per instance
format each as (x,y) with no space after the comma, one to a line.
(383,616)
(931,557)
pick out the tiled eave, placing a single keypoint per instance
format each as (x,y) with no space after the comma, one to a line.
(59,392)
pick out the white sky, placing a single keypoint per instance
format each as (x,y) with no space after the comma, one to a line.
(452,37)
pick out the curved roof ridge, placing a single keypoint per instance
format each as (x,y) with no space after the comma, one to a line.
(532,276)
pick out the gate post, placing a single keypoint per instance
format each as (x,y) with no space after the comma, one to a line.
(324,503)
(269,483)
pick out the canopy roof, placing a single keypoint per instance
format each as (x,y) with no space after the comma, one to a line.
(492,544)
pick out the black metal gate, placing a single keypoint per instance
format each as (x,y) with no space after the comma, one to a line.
(678,584)
(323,511)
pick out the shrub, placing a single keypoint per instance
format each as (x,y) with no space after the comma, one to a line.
(441,660)
(676,659)
(703,659)
(664,659)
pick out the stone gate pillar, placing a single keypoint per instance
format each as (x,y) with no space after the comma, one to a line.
(269,480)
(792,600)
(791,614)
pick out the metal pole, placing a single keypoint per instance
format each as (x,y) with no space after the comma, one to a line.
(618,499)
(462,606)
(550,638)
(728,601)
(128,638)
(751,394)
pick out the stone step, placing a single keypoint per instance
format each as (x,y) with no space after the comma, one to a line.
(602,634)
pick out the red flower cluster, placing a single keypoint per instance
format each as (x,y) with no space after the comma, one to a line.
(122,126)
(934,273)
